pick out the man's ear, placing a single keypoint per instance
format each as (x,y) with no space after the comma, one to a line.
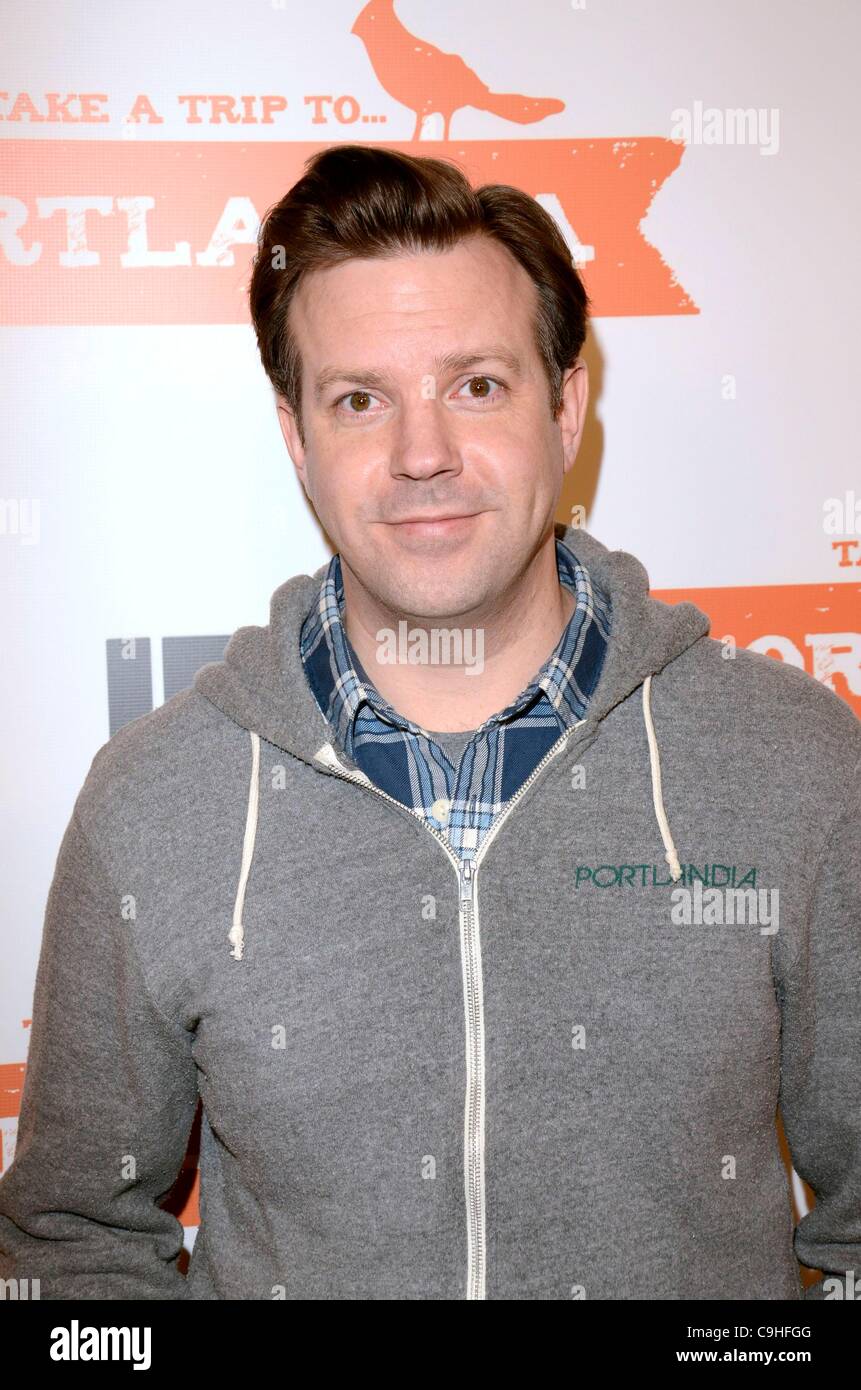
(572,414)
(292,438)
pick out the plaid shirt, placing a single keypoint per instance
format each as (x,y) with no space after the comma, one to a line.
(403,760)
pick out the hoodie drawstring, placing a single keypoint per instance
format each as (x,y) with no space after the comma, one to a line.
(236,933)
(671,856)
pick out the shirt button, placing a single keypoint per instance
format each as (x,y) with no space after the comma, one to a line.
(440,810)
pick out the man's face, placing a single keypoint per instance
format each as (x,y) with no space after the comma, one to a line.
(412,411)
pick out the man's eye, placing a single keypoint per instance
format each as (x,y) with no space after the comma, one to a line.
(359,399)
(484,394)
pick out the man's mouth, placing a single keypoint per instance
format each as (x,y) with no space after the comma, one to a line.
(446,520)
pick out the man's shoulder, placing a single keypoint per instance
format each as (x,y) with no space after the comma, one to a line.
(767,693)
(153,761)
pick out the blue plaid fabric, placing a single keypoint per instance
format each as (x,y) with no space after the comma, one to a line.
(403,760)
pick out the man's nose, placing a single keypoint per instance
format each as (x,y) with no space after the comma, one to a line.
(424,441)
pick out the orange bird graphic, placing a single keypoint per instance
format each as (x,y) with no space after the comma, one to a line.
(424,79)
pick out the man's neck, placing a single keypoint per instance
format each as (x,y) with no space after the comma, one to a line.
(516,642)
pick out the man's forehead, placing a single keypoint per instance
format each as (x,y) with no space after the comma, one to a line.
(476,268)
(352,324)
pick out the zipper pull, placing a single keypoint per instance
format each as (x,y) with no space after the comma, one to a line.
(466,881)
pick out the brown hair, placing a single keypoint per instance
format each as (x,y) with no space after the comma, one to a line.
(371,201)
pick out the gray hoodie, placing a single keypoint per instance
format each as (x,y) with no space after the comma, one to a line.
(557,1080)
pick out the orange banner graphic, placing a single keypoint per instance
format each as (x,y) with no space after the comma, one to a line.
(816,627)
(158,232)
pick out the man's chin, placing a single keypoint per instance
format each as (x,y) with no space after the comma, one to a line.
(428,603)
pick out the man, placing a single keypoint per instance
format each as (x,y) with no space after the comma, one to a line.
(488,907)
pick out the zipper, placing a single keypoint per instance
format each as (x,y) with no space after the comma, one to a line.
(473,1120)
(473,993)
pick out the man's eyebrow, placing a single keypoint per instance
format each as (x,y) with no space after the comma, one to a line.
(445,362)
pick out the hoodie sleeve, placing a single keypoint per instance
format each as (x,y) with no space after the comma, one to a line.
(109,1098)
(820,1092)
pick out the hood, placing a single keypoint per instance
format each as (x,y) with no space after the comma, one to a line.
(261,684)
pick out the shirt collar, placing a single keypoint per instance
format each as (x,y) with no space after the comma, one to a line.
(569,675)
